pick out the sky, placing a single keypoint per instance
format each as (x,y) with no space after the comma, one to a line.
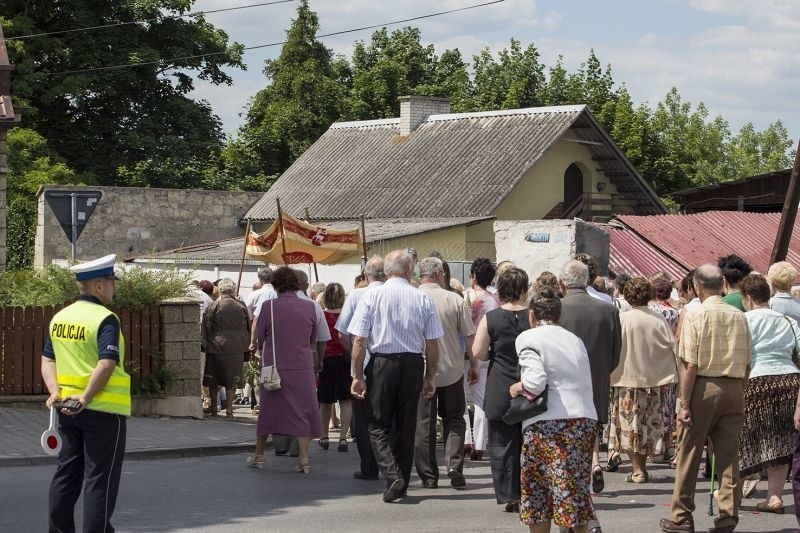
(739,57)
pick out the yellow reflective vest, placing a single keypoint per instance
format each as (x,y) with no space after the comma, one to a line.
(73,333)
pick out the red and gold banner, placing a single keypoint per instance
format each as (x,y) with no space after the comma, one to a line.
(304,243)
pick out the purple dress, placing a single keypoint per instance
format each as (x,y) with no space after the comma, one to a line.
(292,409)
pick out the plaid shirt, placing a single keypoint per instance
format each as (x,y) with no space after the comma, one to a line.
(716,338)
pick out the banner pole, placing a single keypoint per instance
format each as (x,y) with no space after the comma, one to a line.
(244,252)
(364,239)
(280,223)
(316,274)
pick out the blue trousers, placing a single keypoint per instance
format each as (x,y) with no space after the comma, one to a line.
(93,445)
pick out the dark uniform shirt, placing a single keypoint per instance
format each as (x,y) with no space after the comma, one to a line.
(107,335)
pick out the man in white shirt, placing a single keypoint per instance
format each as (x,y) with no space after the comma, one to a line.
(591,264)
(396,323)
(373,271)
(256,299)
(448,400)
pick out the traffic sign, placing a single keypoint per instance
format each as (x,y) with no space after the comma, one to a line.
(72,210)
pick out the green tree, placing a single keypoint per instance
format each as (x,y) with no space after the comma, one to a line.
(32,163)
(515,80)
(303,98)
(128,126)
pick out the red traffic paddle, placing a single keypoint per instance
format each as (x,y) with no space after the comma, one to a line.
(51,440)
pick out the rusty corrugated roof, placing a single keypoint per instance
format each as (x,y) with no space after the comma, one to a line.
(453,165)
(691,240)
(631,254)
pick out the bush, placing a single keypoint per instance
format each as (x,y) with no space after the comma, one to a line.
(54,285)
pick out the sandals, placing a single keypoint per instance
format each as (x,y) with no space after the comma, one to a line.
(766,507)
(324,443)
(303,466)
(636,477)
(614,460)
(598,483)
(256,461)
(342,445)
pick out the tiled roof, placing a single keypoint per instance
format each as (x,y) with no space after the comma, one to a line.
(691,240)
(229,251)
(452,165)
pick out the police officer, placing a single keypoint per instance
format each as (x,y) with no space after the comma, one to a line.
(83,362)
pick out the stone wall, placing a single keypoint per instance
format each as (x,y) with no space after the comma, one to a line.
(539,245)
(130,221)
(180,336)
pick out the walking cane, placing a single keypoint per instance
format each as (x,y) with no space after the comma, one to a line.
(711,487)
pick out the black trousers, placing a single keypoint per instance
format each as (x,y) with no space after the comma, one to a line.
(393,389)
(449,403)
(369,467)
(505,446)
(92,449)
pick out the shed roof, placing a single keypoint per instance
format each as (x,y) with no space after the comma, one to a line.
(691,240)
(452,165)
(229,251)
(631,254)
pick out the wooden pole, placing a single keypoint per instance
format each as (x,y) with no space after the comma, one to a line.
(781,248)
(364,239)
(244,252)
(283,234)
(316,274)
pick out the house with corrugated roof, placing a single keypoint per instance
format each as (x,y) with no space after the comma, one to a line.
(432,179)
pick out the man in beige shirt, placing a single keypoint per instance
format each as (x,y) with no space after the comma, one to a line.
(714,355)
(448,401)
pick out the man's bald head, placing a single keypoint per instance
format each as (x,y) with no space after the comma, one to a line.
(708,279)
(373,270)
(398,264)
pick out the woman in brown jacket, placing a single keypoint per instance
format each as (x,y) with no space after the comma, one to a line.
(225,335)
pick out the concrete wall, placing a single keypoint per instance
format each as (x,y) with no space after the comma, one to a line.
(543,187)
(180,334)
(132,221)
(566,238)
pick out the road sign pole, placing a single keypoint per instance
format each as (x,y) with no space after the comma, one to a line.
(74,197)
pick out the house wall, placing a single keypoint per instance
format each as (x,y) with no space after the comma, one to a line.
(450,242)
(480,241)
(133,221)
(543,187)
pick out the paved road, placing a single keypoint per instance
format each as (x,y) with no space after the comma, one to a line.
(219,494)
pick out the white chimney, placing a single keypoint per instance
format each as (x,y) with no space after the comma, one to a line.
(415,109)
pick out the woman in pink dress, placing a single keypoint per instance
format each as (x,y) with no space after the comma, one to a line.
(292,409)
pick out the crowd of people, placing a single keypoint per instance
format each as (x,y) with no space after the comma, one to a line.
(653,370)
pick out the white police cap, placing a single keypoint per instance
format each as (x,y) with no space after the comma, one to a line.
(99,268)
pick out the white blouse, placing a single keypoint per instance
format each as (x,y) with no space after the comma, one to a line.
(552,356)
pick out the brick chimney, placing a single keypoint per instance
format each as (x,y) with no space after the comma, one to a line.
(415,109)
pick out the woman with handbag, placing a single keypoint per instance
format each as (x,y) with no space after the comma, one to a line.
(285,332)
(494,342)
(767,437)
(557,444)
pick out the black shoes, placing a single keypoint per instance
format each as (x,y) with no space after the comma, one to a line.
(358,474)
(430,484)
(457,480)
(395,491)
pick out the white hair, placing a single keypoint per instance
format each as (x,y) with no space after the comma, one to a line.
(574,275)
(226,286)
(397,263)
(429,266)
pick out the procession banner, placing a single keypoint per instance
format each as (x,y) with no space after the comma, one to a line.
(303,242)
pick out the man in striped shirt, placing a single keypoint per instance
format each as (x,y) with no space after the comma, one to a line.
(397,324)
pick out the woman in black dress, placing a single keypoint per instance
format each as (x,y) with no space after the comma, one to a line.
(494,342)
